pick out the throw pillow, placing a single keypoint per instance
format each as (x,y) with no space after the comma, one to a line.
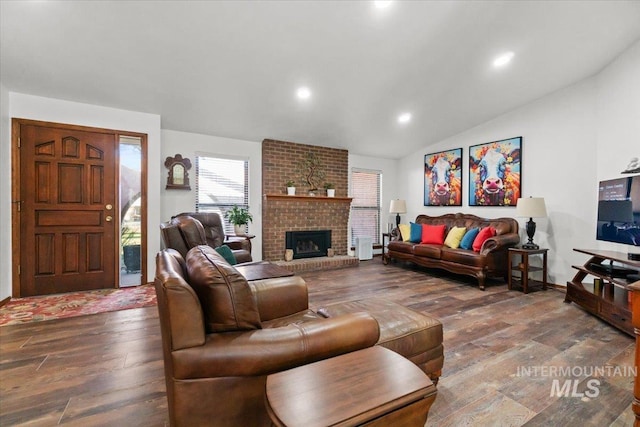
(469,237)
(226,253)
(405,232)
(433,234)
(225,296)
(483,235)
(455,236)
(416,232)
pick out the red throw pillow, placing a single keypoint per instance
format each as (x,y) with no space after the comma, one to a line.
(433,234)
(483,235)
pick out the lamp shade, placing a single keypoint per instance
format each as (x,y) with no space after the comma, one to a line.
(532,207)
(398,206)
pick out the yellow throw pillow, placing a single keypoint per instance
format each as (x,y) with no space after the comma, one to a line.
(405,232)
(455,236)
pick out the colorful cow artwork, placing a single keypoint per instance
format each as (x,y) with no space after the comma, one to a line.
(494,173)
(443,178)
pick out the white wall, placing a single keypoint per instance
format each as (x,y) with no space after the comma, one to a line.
(389,189)
(572,139)
(188,144)
(59,111)
(5,194)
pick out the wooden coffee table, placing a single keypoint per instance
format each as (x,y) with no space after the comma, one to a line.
(374,386)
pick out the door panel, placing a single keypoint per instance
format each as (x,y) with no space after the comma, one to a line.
(67,179)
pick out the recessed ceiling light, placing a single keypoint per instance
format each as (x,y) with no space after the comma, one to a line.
(303,93)
(382,4)
(503,59)
(404,118)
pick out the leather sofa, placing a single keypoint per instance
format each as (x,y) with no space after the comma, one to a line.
(183,233)
(222,336)
(491,260)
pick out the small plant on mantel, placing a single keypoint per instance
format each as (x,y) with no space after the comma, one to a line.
(331,189)
(291,188)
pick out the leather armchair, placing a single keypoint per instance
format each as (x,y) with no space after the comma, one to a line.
(218,377)
(189,229)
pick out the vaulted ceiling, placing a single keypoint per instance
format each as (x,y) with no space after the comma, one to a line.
(232,68)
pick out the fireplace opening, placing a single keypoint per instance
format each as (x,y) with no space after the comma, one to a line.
(308,244)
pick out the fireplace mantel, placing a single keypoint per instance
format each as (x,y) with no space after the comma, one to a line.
(307,198)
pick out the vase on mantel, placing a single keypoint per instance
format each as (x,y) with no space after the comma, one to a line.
(331,192)
(291,191)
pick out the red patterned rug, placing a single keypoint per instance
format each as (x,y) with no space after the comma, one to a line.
(72,304)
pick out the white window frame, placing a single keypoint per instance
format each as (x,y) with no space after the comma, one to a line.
(358,206)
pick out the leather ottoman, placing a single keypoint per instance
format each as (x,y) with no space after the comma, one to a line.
(413,335)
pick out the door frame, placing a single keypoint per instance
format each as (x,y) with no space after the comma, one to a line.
(16,191)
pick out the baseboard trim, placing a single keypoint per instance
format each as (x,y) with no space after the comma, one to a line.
(4,301)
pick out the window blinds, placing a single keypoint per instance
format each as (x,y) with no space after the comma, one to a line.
(220,184)
(365,206)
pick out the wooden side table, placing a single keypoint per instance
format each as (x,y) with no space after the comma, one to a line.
(374,386)
(385,256)
(524,268)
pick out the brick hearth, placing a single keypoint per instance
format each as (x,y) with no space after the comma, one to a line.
(321,263)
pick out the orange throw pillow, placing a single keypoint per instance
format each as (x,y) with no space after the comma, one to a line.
(483,235)
(433,234)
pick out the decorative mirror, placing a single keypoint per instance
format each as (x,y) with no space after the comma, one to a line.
(178,178)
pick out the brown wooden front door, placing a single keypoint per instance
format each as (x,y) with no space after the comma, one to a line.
(67,210)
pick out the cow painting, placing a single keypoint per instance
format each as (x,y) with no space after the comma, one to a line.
(443,178)
(494,173)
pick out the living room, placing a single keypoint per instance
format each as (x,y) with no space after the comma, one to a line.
(580,131)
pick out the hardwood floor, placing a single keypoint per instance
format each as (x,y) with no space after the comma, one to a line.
(107,369)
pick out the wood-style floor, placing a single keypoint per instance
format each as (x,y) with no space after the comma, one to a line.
(107,369)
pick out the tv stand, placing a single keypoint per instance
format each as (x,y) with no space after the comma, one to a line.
(607,296)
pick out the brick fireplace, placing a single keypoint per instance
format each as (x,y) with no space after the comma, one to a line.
(282,213)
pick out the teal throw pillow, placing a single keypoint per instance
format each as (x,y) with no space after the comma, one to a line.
(416,232)
(469,237)
(226,253)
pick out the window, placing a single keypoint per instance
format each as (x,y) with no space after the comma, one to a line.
(365,206)
(221,183)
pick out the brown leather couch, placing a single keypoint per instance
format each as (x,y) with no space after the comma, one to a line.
(218,353)
(183,233)
(222,336)
(490,261)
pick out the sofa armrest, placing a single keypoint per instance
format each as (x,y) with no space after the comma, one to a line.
(280,296)
(497,243)
(265,351)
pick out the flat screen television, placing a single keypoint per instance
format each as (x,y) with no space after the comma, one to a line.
(619,210)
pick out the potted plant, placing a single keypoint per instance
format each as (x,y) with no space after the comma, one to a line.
(239,217)
(331,190)
(291,188)
(130,249)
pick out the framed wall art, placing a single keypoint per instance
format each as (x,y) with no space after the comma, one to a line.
(443,178)
(494,173)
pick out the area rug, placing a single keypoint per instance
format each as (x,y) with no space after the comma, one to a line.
(72,304)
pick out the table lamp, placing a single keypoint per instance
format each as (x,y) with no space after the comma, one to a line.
(398,207)
(532,207)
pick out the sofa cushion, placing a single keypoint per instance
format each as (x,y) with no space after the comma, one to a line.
(433,234)
(416,232)
(463,256)
(399,246)
(405,232)
(483,235)
(454,237)
(225,295)
(469,237)
(427,250)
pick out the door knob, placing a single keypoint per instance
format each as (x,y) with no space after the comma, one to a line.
(108,218)
(109,207)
